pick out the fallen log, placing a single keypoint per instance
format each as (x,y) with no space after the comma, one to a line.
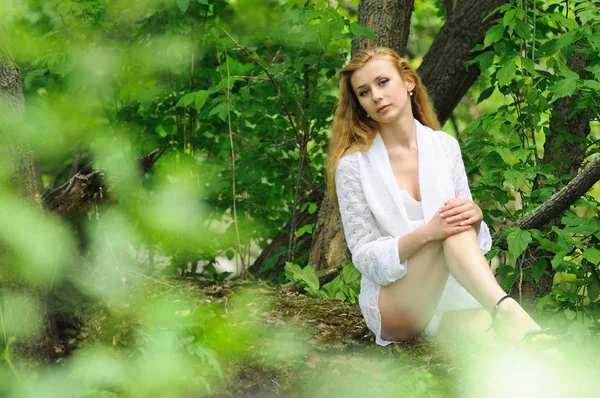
(88,188)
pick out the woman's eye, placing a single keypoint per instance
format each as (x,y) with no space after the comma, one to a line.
(384,81)
(363,93)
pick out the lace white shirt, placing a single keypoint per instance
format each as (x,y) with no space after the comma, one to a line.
(375,253)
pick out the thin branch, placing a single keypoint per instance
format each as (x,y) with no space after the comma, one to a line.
(273,83)
(232,153)
(273,157)
(560,201)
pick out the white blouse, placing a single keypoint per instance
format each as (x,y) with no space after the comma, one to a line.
(375,253)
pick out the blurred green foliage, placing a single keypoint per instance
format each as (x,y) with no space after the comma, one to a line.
(116,79)
(526,59)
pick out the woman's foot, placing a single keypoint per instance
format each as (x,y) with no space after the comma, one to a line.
(515,324)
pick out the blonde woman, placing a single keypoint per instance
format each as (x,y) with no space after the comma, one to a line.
(409,220)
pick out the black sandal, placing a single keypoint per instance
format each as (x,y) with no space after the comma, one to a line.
(494,312)
(530,335)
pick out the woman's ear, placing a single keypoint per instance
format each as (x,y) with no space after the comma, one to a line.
(410,82)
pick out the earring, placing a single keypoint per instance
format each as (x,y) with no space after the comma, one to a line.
(411,93)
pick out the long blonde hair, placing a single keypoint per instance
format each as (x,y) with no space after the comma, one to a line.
(352,129)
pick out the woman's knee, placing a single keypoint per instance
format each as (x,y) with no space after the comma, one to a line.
(461,238)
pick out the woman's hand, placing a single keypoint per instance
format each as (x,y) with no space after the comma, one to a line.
(462,211)
(438,228)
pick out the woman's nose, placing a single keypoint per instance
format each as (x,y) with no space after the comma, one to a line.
(376,94)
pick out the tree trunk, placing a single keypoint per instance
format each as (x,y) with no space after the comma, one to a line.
(328,244)
(443,69)
(272,259)
(40,328)
(389,20)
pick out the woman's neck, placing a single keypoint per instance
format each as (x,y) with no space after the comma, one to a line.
(401,134)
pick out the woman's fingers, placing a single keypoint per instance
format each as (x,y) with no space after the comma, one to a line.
(469,221)
(454,211)
(458,229)
(461,216)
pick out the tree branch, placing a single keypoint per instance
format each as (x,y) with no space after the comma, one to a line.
(558,202)
(443,69)
(88,188)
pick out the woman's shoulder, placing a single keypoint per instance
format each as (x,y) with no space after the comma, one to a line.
(349,160)
(445,138)
(348,165)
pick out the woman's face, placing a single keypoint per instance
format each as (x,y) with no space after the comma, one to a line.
(380,90)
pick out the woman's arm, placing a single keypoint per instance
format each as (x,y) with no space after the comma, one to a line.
(463,204)
(380,258)
(436,229)
(376,256)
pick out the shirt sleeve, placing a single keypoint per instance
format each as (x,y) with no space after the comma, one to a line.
(376,256)
(461,190)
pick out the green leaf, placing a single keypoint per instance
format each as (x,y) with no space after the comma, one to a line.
(358,30)
(509,18)
(312,208)
(507,282)
(305,277)
(592,84)
(183,5)
(564,88)
(292,271)
(522,30)
(203,2)
(558,259)
(485,94)
(528,65)
(518,240)
(200,100)
(546,244)
(305,229)
(186,100)
(592,255)
(593,291)
(587,15)
(493,35)
(565,40)
(507,73)
(594,41)
(564,21)
(310,277)
(548,48)
(539,269)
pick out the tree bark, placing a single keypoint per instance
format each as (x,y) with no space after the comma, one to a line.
(41,335)
(389,20)
(443,69)
(559,202)
(272,259)
(87,188)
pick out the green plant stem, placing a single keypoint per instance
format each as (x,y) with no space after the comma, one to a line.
(232,153)
(3,327)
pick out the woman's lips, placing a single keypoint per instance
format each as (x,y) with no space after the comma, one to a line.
(382,108)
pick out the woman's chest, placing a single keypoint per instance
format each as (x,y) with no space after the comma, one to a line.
(406,172)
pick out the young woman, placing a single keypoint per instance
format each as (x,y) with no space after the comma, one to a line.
(414,233)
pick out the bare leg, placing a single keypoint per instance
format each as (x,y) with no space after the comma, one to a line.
(470,268)
(408,304)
